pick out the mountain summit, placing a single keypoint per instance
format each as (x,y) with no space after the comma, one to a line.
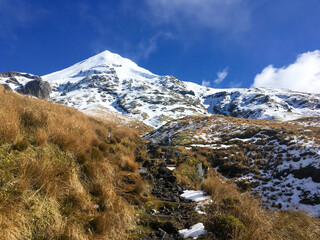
(102,63)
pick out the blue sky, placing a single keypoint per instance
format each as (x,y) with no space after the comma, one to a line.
(218,43)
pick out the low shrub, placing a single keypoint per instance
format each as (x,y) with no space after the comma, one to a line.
(225,226)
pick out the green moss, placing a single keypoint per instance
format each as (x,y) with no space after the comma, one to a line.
(182,137)
(41,213)
(187,175)
(225,226)
(231,201)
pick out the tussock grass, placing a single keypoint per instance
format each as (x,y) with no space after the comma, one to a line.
(64,175)
(243,212)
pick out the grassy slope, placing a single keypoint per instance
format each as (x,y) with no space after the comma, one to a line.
(64,175)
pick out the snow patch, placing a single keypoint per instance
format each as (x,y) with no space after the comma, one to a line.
(195,196)
(194,231)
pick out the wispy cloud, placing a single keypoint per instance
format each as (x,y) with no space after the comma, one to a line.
(232,16)
(149,45)
(302,75)
(221,76)
(206,83)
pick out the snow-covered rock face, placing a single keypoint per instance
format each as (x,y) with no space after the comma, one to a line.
(111,82)
(263,103)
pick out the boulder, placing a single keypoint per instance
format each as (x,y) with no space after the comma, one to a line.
(38,88)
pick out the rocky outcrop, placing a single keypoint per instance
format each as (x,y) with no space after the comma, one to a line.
(18,74)
(38,88)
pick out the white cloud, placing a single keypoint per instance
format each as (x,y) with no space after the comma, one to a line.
(302,75)
(232,16)
(221,76)
(206,83)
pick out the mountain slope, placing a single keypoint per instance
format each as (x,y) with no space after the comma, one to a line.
(278,160)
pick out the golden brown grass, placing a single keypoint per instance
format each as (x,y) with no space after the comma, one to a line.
(64,175)
(259,223)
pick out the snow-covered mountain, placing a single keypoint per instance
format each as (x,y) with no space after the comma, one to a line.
(108,81)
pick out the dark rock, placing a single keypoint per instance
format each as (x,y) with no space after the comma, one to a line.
(170,179)
(37,88)
(166,227)
(142,208)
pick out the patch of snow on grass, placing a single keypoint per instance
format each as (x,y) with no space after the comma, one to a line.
(171,168)
(201,205)
(194,231)
(195,196)
(212,146)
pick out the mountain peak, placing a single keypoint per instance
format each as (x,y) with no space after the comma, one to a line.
(103,62)
(110,57)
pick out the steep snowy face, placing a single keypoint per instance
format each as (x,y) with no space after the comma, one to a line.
(258,103)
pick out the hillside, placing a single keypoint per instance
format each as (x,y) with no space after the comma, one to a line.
(277,160)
